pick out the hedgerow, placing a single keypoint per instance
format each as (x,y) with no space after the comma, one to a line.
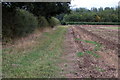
(93,23)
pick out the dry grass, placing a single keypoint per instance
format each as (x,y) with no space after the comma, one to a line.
(28,42)
(35,56)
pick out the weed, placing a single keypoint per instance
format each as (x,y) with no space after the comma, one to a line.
(65,65)
(99,69)
(80,54)
(97,47)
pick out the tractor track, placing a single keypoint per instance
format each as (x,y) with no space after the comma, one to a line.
(87,66)
(107,43)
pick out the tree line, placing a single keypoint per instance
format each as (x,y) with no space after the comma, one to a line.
(107,14)
(22,18)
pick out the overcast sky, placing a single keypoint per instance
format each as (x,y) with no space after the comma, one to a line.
(94,3)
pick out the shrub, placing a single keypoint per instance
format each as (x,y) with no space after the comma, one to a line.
(7,24)
(17,24)
(72,17)
(63,22)
(42,22)
(53,21)
(25,23)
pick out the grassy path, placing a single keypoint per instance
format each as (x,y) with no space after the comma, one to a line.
(40,61)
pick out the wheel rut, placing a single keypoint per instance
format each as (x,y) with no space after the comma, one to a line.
(86,66)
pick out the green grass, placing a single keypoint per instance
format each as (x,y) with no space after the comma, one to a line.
(112,27)
(40,62)
(93,23)
(0,61)
(80,54)
(97,47)
(99,69)
(92,53)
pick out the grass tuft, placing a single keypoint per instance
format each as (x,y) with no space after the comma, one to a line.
(97,47)
(80,54)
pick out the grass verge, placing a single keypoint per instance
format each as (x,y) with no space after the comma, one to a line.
(93,23)
(40,61)
(112,27)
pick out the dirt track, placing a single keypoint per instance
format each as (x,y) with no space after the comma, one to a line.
(87,66)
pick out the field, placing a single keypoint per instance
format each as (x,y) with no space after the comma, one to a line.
(73,51)
(91,51)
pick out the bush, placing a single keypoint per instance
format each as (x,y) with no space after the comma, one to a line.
(53,21)
(17,24)
(7,24)
(42,22)
(72,17)
(25,23)
(63,22)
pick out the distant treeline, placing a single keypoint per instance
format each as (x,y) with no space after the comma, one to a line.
(22,18)
(107,14)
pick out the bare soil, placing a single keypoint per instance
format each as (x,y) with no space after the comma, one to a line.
(88,66)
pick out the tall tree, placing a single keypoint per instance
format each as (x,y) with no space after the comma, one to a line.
(46,9)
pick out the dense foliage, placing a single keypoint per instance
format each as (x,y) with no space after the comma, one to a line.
(25,23)
(22,18)
(46,9)
(94,15)
(42,22)
(20,24)
(53,21)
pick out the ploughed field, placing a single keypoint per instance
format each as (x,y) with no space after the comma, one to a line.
(82,51)
(91,51)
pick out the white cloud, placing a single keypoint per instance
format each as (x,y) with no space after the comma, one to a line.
(94,3)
